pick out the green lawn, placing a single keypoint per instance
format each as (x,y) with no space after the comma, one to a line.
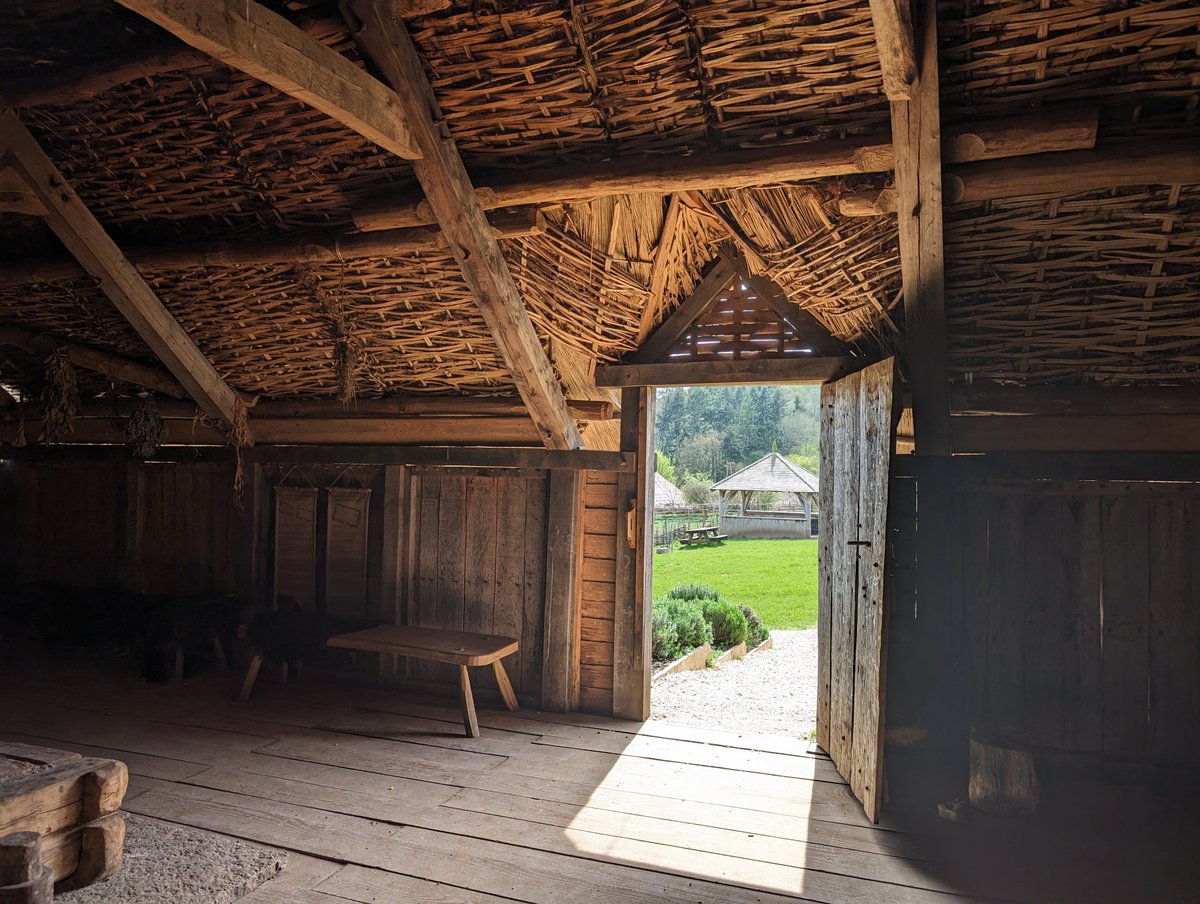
(776,578)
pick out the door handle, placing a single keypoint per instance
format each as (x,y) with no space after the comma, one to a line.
(858,542)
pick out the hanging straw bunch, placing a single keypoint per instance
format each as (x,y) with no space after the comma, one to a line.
(347,348)
(60,398)
(145,430)
(239,438)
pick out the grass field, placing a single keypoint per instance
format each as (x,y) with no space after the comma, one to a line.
(776,578)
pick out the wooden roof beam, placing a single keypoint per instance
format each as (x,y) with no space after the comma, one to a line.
(86,239)
(1051,174)
(718,277)
(743,372)
(1058,130)
(916,130)
(1093,399)
(384,39)
(897,54)
(113,366)
(266,46)
(308,249)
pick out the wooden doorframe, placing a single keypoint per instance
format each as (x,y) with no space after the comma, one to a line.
(635,547)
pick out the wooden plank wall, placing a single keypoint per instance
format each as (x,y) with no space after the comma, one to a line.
(151,528)
(598,591)
(346,537)
(296,545)
(184,530)
(1082,616)
(478,563)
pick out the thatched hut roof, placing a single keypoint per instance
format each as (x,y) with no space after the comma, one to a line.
(770,474)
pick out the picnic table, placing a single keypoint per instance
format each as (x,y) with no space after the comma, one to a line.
(702,536)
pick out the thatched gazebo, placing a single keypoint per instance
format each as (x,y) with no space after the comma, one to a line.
(770,474)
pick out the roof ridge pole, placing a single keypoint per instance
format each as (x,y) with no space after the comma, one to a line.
(384,40)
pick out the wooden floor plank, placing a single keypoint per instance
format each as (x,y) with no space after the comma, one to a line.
(296,882)
(142,764)
(360,883)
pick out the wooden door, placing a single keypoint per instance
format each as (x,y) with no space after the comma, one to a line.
(858,417)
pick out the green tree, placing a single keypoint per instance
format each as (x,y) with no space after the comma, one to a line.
(663,465)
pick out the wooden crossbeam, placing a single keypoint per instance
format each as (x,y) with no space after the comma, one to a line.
(1077,433)
(1157,163)
(321,248)
(745,372)
(1065,129)
(993,398)
(384,39)
(115,366)
(894,38)
(915,134)
(266,46)
(86,239)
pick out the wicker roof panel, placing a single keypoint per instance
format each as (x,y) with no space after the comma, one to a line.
(210,152)
(1092,287)
(43,36)
(510,82)
(75,310)
(1017,52)
(407,324)
(779,70)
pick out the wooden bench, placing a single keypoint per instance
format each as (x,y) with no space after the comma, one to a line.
(459,648)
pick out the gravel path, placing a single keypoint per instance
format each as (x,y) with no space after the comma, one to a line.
(769,692)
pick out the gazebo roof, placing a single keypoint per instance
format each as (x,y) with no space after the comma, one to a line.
(666,494)
(771,473)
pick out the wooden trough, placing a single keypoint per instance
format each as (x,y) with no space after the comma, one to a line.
(60,813)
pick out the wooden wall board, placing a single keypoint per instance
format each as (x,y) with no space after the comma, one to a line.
(296,545)
(825,562)
(346,532)
(1125,622)
(842,521)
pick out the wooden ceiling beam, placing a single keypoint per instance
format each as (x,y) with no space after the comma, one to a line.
(321,248)
(744,372)
(82,83)
(915,133)
(894,38)
(1066,129)
(86,239)
(1000,399)
(384,39)
(251,38)
(1077,433)
(1157,163)
(116,367)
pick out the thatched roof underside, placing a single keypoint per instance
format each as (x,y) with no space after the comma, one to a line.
(1072,289)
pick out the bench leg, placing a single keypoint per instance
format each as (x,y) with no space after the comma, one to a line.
(467,699)
(506,688)
(251,677)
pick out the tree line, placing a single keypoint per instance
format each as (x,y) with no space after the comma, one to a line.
(704,432)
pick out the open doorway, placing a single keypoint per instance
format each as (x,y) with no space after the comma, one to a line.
(734,570)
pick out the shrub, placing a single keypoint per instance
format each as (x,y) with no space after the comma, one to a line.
(729,626)
(697,492)
(677,627)
(692,592)
(690,624)
(665,641)
(756,631)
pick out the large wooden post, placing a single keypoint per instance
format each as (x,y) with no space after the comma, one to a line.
(635,539)
(560,653)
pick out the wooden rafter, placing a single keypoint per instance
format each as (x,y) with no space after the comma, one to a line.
(384,39)
(116,367)
(304,249)
(802,322)
(86,239)
(266,46)
(894,38)
(915,135)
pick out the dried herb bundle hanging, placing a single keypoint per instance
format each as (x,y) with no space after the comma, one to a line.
(239,438)
(145,429)
(60,398)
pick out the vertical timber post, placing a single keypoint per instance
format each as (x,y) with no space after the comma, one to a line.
(635,535)
(560,654)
